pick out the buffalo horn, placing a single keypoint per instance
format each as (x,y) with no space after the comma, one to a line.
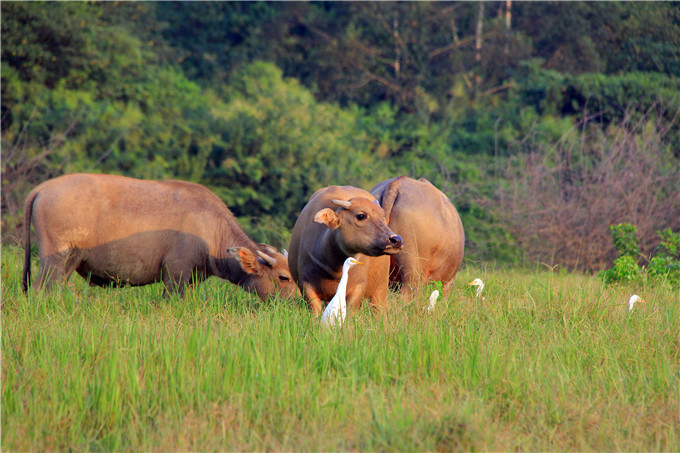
(268,259)
(268,249)
(342,203)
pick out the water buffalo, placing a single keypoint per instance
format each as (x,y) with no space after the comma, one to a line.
(339,222)
(432,231)
(124,231)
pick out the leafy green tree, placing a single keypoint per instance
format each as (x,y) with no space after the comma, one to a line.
(76,67)
(77,44)
(81,92)
(278,145)
(646,37)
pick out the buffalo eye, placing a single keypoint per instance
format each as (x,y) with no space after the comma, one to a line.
(361,216)
(283,278)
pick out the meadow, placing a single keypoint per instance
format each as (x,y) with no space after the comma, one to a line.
(548,360)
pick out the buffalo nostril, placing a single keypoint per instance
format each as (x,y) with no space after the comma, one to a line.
(396,240)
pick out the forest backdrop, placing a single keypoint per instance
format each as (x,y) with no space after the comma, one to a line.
(545,123)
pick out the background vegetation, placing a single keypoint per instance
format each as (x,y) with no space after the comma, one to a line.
(545,123)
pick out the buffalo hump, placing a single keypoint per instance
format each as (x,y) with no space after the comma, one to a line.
(431,228)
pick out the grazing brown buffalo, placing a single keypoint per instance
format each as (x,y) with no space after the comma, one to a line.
(125,231)
(431,228)
(339,222)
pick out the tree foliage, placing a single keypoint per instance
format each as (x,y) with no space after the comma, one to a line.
(278,144)
(265,102)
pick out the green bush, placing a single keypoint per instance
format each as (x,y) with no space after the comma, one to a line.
(625,269)
(664,266)
(625,240)
(670,244)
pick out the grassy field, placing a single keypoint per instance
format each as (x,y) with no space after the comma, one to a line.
(547,361)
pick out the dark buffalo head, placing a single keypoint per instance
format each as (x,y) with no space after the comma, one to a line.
(360,227)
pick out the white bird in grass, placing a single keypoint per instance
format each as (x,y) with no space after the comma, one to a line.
(433,300)
(479,284)
(336,310)
(634,298)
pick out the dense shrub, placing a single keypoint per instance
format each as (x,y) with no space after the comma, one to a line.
(664,266)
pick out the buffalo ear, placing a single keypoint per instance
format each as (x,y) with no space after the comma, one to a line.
(246,259)
(327,217)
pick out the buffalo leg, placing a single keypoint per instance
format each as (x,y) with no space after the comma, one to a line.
(411,272)
(56,267)
(174,283)
(355,294)
(177,279)
(447,287)
(313,299)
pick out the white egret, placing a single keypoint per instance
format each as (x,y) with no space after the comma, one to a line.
(479,284)
(634,298)
(433,300)
(336,311)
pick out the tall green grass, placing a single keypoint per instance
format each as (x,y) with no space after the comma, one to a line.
(545,361)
